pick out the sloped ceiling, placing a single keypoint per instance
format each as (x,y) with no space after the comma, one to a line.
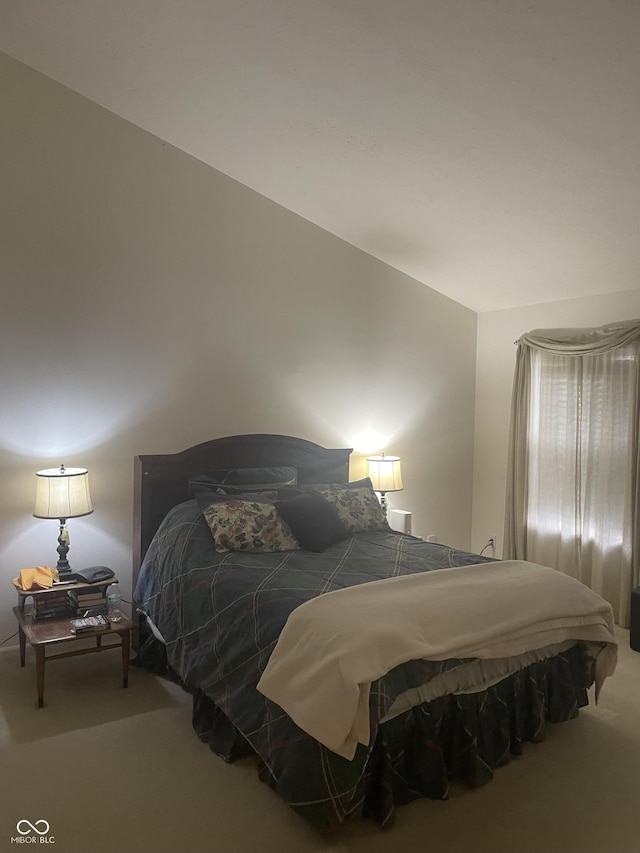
(488,148)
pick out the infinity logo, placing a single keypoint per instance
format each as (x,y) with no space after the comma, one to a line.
(32,827)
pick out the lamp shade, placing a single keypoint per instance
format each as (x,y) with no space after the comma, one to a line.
(385,473)
(62,493)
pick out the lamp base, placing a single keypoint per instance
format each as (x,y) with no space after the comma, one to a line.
(65,573)
(384,504)
(64,570)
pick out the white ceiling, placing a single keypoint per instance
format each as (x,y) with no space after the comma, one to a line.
(488,148)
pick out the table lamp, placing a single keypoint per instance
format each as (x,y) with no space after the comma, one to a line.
(63,493)
(386,476)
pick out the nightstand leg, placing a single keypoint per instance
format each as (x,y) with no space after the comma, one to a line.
(23,645)
(40,674)
(126,647)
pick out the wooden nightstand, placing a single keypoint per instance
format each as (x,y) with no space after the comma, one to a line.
(42,633)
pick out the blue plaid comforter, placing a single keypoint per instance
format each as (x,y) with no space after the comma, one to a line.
(221,614)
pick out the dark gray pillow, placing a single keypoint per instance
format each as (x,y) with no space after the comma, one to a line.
(313,521)
(365,482)
(234,480)
(284,475)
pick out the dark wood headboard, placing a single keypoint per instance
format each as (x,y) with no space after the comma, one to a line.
(162,480)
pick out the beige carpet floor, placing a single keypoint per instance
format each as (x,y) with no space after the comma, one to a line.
(122,771)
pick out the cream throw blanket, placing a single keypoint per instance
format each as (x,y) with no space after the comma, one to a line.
(334,646)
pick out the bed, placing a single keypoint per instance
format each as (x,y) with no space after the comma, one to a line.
(228,618)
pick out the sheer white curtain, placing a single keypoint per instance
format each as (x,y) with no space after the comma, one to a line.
(574,463)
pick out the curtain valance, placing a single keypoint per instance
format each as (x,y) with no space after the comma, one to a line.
(583,341)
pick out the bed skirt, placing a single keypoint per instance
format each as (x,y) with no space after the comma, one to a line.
(415,755)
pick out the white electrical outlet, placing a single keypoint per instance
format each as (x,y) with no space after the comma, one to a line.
(432,537)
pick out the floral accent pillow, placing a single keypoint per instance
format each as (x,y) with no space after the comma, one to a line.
(248,525)
(357,506)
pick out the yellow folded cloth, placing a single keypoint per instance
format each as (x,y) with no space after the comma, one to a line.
(41,577)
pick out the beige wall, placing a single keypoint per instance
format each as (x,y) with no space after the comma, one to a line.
(151,303)
(497,331)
